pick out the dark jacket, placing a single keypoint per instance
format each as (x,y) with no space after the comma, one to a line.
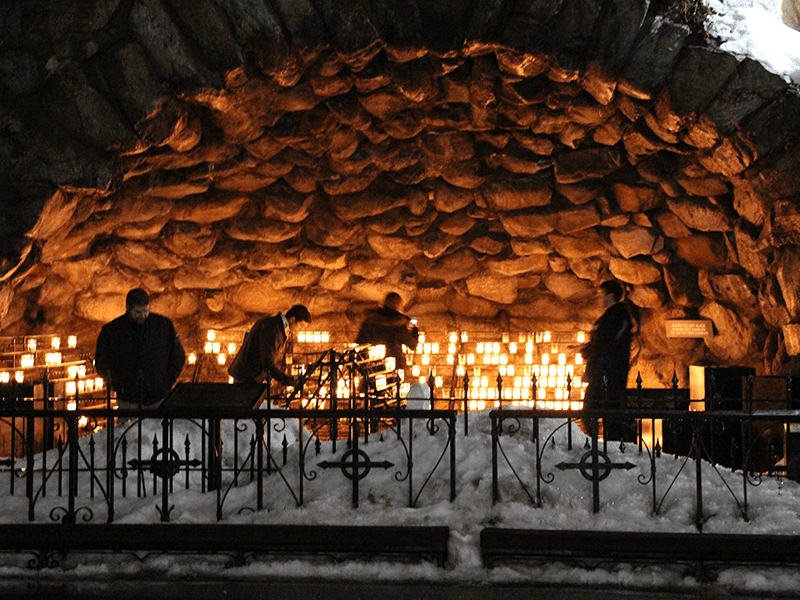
(141,362)
(391,328)
(608,354)
(261,350)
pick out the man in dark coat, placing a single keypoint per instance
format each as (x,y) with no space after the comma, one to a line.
(263,348)
(607,356)
(139,354)
(388,326)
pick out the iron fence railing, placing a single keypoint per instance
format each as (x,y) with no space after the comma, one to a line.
(76,465)
(748,443)
(133,453)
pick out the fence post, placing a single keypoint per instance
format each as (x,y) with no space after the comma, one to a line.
(466,404)
(111,460)
(495,490)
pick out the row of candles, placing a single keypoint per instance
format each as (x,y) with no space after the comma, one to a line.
(46,351)
(558,385)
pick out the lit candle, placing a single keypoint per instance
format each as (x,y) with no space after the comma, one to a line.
(221,358)
(72,341)
(55,343)
(26,361)
(5,377)
(192,358)
(211,335)
(32,345)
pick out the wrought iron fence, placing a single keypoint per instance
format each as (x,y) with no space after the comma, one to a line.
(742,441)
(154,453)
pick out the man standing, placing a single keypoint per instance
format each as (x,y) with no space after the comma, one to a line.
(139,354)
(263,348)
(607,356)
(388,326)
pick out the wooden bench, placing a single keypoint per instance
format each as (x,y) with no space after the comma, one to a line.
(697,549)
(332,541)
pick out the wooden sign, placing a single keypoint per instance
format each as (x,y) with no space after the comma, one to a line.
(683,328)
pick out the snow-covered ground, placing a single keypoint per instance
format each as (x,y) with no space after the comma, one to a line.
(754,29)
(626,504)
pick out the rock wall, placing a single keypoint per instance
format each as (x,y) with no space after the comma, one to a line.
(790,12)
(236,157)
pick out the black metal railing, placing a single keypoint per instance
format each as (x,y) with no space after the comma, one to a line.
(76,465)
(689,435)
(154,453)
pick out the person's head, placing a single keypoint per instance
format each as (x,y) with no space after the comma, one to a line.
(611,291)
(393,301)
(297,317)
(137,305)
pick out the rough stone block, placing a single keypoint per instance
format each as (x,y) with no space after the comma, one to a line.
(790,13)
(617,26)
(652,58)
(167,46)
(698,76)
(700,214)
(775,124)
(733,337)
(303,22)
(750,87)
(571,31)
(209,30)
(637,272)
(791,337)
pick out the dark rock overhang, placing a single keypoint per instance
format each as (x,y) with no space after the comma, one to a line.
(492,163)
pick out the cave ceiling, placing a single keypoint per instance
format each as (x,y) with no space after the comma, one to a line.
(492,162)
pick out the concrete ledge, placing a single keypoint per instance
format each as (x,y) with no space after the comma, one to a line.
(334,541)
(509,545)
